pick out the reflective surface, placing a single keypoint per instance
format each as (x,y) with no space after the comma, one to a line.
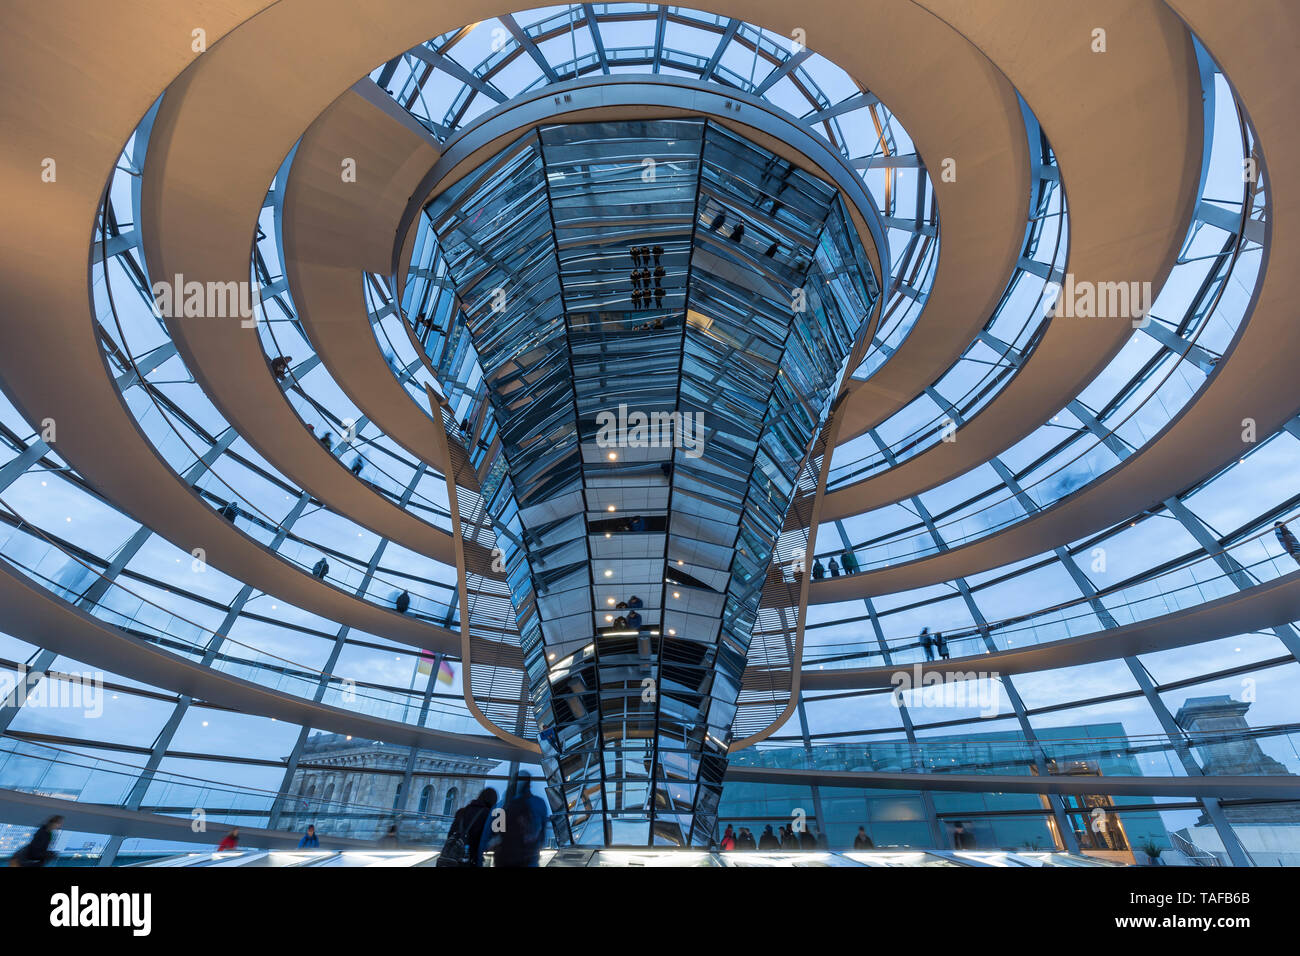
(660,311)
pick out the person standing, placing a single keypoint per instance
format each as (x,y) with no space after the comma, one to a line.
(962,839)
(862,841)
(309,839)
(927,643)
(850,562)
(835,568)
(464,845)
(1288,540)
(768,840)
(941,644)
(728,842)
(230,842)
(520,841)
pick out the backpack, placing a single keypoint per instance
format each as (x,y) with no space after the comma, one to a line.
(457,850)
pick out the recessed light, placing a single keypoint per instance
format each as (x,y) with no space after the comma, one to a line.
(613,456)
(609,601)
(610,508)
(609,573)
(672,632)
(609,617)
(677,594)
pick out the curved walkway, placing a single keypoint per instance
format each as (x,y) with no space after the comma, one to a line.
(334,230)
(58,626)
(54,368)
(33,809)
(1254,609)
(1129,153)
(1265,788)
(1254,382)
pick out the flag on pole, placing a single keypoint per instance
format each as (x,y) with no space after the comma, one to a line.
(446,673)
(425,666)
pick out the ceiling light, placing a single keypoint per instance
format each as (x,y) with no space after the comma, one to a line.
(677,594)
(609,573)
(610,508)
